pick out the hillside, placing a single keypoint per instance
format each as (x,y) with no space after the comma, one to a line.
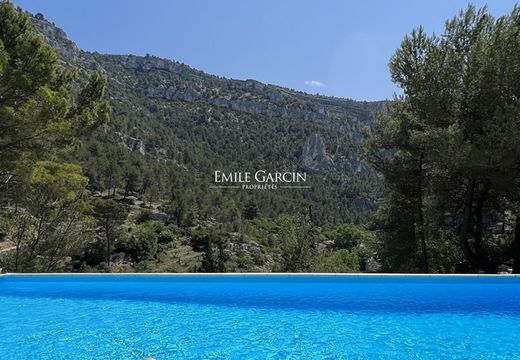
(152,203)
(203,122)
(137,163)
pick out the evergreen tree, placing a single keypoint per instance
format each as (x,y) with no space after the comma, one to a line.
(42,113)
(447,147)
(109,214)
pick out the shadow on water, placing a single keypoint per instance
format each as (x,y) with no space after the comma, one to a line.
(350,295)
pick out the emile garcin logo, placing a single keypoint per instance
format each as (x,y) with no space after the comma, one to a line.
(260,180)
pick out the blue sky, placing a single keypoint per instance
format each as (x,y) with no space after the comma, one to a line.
(331,47)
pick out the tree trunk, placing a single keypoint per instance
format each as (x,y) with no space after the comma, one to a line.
(17,259)
(422,238)
(127,189)
(107,235)
(478,225)
(466,221)
(470,255)
(424,253)
(20,233)
(516,247)
(109,184)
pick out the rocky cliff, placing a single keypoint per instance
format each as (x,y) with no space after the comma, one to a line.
(314,156)
(176,81)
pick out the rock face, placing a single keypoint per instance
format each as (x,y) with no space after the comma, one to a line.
(351,163)
(257,106)
(314,155)
(158,78)
(315,158)
(132,143)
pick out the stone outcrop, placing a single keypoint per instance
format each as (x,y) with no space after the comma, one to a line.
(259,107)
(314,155)
(315,158)
(177,81)
(132,143)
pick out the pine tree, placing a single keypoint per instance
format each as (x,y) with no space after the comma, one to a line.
(448,146)
(42,197)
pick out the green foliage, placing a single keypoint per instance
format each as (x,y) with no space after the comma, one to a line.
(143,242)
(349,236)
(447,148)
(166,236)
(38,112)
(61,180)
(250,211)
(340,261)
(109,210)
(44,204)
(143,216)
(213,244)
(132,179)
(109,214)
(446,256)
(50,218)
(298,244)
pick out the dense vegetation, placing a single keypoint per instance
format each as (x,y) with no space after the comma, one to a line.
(82,192)
(449,149)
(106,161)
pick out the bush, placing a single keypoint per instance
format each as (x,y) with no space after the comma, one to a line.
(143,216)
(445,254)
(141,244)
(349,236)
(340,261)
(166,236)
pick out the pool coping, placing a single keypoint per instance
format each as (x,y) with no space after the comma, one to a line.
(263,274)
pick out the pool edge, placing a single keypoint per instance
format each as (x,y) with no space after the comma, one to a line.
(263,274)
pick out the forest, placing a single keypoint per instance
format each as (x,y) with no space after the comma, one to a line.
(102,172)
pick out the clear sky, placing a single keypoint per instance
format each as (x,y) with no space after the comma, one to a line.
(332,47)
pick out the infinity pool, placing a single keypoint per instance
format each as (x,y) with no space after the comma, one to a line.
(259,317)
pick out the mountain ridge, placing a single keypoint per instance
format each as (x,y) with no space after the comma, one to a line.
(172,111)
(58,39)
(55,35)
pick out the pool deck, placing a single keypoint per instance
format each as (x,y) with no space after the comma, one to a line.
(263,274)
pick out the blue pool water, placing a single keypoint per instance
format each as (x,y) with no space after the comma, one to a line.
(280,317)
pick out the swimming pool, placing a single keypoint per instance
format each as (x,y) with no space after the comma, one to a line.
(259,317)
